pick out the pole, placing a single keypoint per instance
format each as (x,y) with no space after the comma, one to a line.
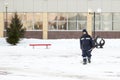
(94,26)
(6,22)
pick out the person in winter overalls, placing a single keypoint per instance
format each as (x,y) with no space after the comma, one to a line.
(86,45)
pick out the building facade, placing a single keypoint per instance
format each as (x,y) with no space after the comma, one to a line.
(55,19)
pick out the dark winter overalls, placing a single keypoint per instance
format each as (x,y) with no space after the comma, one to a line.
(86,44)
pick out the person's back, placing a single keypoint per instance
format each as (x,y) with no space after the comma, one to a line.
(86,42)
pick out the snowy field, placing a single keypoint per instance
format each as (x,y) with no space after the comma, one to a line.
(61,61)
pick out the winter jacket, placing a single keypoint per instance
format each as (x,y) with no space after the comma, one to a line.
(86,42)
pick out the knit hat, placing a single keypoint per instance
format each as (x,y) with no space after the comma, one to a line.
(84,30)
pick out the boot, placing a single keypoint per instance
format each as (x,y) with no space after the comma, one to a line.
(84,61)
(89,60)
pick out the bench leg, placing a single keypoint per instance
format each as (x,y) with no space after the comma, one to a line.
(33,47)
(46,47)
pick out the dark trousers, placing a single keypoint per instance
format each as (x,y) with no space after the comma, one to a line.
(86,53)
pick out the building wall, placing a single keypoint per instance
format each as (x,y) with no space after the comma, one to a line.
(60,5)
(29,8)
(1,25)
(34,34)
(70,34)
(77,34)
(63,34)
(108,34)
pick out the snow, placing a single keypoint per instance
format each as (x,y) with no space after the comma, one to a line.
(61,61)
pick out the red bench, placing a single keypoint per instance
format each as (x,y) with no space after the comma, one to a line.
(40,45)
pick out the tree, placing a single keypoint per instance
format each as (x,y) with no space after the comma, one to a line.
(15,31)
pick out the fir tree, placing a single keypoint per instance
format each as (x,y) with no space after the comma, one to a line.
(15,31)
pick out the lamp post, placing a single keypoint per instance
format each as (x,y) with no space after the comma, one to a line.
(94,26)
(6,14)
(6,17)
(94,13)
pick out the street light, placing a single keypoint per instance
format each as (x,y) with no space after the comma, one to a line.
(93,13)
(6,21)
(94,26)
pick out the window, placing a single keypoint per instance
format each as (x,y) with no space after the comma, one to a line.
(31,21)
(81,21)
(38,21)
(97,21)
(62,21)
(9,17)
(106,21)
(72,21)
(116,21)
(67,21)
(52,21)
(57,21)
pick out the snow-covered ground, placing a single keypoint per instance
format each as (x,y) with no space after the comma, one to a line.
(61,61)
